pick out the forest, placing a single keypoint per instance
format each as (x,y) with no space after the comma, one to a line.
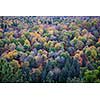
(49,49)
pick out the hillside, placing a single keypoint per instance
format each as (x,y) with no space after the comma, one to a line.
(50,49)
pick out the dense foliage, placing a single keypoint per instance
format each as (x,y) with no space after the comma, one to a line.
(49,49)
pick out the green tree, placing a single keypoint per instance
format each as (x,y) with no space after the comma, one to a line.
(9,73)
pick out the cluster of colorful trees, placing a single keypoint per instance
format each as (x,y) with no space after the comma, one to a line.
(49,49)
